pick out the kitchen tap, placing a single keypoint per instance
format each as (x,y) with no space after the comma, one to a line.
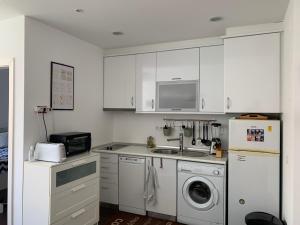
(180,139)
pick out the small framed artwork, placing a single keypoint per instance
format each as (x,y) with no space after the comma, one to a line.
(62,87)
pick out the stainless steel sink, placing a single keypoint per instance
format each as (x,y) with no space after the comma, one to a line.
(165,151)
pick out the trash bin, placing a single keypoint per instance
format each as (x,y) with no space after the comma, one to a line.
(261,218)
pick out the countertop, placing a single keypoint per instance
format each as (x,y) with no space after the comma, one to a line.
(140,150)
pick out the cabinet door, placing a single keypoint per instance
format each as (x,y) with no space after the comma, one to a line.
(166,192)
(119,82)
(178,65)
(212,79)
(145,82)
(252,73)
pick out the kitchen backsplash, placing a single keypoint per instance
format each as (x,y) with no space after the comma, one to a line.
(135,128)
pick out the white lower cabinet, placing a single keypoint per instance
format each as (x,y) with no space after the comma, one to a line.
(62,194)
(167,182)
(109,184)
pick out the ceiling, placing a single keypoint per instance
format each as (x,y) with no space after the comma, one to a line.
(145,21)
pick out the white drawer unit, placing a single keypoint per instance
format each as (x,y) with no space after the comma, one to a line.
(109,184)
(62,193)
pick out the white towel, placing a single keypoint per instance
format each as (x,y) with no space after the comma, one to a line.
(151,186)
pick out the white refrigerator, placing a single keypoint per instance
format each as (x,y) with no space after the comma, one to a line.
(253,168)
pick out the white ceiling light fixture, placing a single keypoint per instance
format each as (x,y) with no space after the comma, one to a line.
(216,19)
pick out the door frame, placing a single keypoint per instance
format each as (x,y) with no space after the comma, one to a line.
(9,63)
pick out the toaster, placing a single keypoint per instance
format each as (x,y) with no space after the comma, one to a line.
(51,152)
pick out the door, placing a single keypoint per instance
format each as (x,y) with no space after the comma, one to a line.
(212,79)
(253,184)
(145,82)
(178,65)
(119,82)
(200,193)
(166,192)
(252,73)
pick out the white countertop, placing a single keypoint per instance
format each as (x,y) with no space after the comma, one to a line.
(139,150)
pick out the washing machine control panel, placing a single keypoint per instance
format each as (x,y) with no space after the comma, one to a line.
(201,168)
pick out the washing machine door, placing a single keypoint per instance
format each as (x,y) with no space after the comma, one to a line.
(200,193)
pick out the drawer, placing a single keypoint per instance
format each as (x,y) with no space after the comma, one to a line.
(109,193)
(74,173)
(109,178)
(109,168)
(88,215)
(108,158)
(73,199)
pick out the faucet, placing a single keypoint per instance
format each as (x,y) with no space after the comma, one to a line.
(180,139)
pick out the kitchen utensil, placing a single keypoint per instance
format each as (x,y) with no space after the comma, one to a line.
(215,141)
(194,140)
(167,130)
(199,131)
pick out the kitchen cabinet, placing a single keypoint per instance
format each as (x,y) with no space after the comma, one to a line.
(62,193)
(109,178)
(119,82)
(177,65)
(252,73)
(145,82)
(212,79)
(167,183)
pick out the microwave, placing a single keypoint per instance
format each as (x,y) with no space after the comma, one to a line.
(177,96)
(74,142)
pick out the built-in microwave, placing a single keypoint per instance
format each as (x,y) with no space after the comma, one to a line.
(177,96)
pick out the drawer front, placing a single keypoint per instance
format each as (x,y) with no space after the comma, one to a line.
(72,174)
(109,168)
(88,215)
(109,193)
(73,199)
(108,158)
(109,178)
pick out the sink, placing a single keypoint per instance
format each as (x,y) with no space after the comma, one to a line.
(165,151)
(194,154)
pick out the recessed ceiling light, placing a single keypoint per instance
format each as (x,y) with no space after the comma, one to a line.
(79,10)
(117,33)
(216,19)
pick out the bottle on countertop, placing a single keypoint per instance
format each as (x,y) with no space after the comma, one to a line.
(150,142)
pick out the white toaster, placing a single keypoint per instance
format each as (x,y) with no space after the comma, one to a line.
(51,152)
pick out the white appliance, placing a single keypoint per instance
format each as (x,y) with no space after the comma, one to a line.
(201,193)
(132,184)
(51,152)
(254,168)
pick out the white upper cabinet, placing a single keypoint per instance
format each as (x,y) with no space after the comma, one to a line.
(212,79)
(119,82)
(145,82)
(178,65)
(252,73)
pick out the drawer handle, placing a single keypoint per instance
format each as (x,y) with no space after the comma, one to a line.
(104,178)
(78,213)
(176,78)
(104,167)
(78,188)
(80,162)
(104,188)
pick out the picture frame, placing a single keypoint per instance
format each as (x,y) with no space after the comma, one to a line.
(62,86)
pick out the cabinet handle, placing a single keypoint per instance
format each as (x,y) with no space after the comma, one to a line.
(202,103)
(152,103)
(161,163)
(78,213)
(104,167)
(78,188)
(132,101)
(104,178)
(104,188)
(176,109)
(176,78)
(228,103)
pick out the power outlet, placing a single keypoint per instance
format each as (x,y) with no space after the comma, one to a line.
(41,109)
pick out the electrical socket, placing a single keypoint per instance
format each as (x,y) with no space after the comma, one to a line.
(41,109)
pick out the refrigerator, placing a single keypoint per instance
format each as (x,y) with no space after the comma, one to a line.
(253,168)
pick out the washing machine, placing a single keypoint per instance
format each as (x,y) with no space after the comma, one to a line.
(201,193)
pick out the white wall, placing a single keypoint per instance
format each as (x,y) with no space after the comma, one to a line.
(12,46)
(44,44)
(131,127)
(291,114)
(4,97)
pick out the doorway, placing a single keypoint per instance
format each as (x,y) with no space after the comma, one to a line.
(4,110)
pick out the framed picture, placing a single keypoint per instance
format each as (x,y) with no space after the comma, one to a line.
(62,87)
